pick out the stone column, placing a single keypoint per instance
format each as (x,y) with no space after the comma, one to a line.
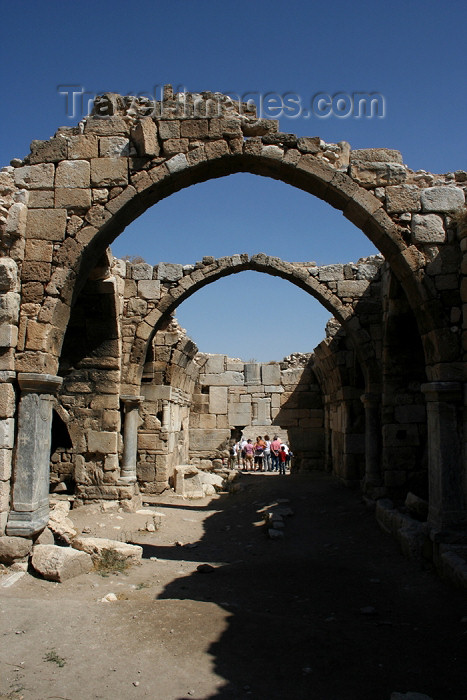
(30,508)
(130,438)
(165,415)
(445,483)
(371,403)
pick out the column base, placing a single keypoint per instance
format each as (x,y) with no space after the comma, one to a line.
(27,523)
(124,480)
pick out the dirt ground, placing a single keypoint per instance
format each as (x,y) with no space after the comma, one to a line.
(330,612)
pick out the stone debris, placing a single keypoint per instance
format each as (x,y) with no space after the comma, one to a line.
(60,563)
(59,522)
(109,598)
(13,549)
(95,545)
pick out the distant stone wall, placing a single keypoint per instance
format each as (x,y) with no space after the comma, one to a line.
(233,397)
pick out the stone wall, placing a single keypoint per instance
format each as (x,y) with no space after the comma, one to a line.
(233,397)
(63,204)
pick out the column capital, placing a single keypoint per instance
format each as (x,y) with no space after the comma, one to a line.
(35,382)
(130,400)
(442,391)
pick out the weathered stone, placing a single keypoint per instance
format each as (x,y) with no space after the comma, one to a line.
(16,220)
(96,545)
(35,177)
(46,224)
(51,151)
(109,172)
(169,272)
(375,155)
(73,173)
(377,174)
(13,549)
(60,563)
(218,400)
(402,198)
(76,199)
(8,275)
(442,199)
(101,441)
(428,228)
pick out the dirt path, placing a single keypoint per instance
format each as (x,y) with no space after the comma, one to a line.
(274,620)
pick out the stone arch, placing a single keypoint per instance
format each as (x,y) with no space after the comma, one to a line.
(175,150)
(296,273)
(75,193)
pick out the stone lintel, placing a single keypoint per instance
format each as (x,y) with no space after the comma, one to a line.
(131,400)
(39,383)
(442,391)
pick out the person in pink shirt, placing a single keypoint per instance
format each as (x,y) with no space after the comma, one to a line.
(275,449)
(249,450)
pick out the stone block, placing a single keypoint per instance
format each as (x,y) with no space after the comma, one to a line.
(177,163)
(169,129)
(352,288)
(5,463)
(442,199)
(172,147)
(46,224)
(215,364)
(80,147)
(109,172)
(60,563)
(13,549)
(330,273)
(375,155)
(8,336)
(16,220)
(224,379)
(207,421)
(428,228)
(216,149)
(8,275)
(239,414)
(377,174)
(39,251)
(149,289)
(207,440)
(169,272)
(114,147)
(101,441)
(51,151)
(7,433)
(41,199)
(106,126)
(271,376)
(96,545)
(309,145)
(67,198)
(35,177)
(217,400)
(144,136)
(73,173)
(194,128)
(402,198)
(141,271)
(9,307)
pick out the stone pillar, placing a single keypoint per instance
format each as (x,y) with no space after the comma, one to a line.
(371,403)
(30,508)
(252,373)
(165,415)
(130,438)
(447,506)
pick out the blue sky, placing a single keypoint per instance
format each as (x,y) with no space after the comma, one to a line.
(410,53)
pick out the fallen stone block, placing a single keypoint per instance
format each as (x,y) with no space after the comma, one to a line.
(95,546)
(13,549)
(60,563)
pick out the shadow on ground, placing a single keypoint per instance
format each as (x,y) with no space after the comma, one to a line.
(330,612)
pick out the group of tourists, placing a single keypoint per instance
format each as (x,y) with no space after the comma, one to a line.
(263,455)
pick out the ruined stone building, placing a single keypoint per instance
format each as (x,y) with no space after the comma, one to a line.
(101,389)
